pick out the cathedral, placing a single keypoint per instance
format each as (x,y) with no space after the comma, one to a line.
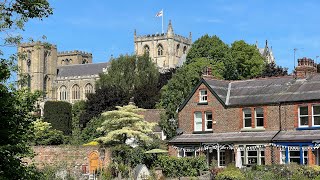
(70,75)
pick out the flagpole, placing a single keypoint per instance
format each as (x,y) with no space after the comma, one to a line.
(162,20)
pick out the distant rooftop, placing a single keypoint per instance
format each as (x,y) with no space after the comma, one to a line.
(81,69)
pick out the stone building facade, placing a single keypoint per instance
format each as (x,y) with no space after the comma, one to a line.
(167,50)
(256,121)
(266,52)
(65,76)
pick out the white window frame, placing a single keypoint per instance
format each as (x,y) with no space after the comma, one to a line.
(315,115)
(299,116)
(244,118)
(206,120)
(222,157)
(203,98)
(256,117)
(244,153)
(195,122)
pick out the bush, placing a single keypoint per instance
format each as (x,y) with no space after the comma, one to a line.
(230,173)
(179,167)
(58,113)
(45,135)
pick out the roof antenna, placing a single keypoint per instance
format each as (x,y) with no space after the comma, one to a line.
(294,58)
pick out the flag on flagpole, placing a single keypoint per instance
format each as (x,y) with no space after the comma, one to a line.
(159,14)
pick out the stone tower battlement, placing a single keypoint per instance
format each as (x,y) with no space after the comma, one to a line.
(74,52)
(167,50)
(74,57)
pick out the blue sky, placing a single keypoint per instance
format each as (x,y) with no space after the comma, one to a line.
(106,27)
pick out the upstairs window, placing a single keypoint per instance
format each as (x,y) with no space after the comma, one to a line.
(208,121)
(303,116)
(203,96)
(197,121)
(316,115)
(259,117)
(247,118)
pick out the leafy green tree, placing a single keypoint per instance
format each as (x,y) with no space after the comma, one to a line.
(123,125)
(271,69)
(16,105)
(249,62)
(105,98)
(214,49)
(137,76)
(78,108)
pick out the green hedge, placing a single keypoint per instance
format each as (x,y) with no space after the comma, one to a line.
(58,113)
(182,167)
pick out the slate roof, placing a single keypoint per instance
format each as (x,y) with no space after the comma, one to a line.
(225,137)
(300,135)
(236,137)
(81,69)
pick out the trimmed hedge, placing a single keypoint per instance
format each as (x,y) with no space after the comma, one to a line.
(58,113)
(182,167)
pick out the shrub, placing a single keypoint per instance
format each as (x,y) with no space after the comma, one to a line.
(179,167)
(45,135)
(230,173)
(58,113)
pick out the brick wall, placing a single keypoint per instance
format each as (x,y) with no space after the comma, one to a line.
(70,155)
(230,119)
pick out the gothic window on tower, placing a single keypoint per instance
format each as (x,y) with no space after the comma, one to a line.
(88,89)
(63,93)
(28,61)
(75,92)
(178,49)
(45,86)
(84,61)
(160,50)
(29,81)
(184,49)
(146,49)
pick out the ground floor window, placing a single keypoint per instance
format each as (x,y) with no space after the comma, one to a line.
(251,155)
(222,157)
(294,154)
(188,152)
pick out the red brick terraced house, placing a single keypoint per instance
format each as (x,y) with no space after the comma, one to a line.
(257,121)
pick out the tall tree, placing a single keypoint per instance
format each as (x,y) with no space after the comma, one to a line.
(16,105)
(271,69)
(137,76)
(105,98)
(214,49)
(249,62)
(124,125)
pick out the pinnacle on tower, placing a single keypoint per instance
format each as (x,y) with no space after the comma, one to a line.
(170,29)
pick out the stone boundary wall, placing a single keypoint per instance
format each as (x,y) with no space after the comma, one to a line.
(72,156)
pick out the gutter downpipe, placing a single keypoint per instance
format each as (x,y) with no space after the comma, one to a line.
(280,124)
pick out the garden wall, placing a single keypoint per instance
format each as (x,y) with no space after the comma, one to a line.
(84,158)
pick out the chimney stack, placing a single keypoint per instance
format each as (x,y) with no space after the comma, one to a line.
(305,68)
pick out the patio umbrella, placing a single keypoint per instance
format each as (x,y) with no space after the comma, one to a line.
(238,158)
(156,151)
